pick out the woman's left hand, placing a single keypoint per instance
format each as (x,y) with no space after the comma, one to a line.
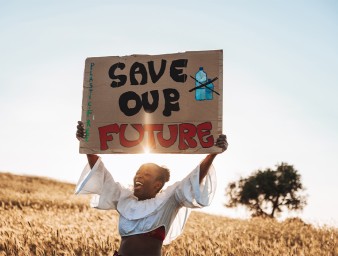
(222,142)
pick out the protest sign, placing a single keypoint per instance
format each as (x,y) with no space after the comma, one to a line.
(169,103)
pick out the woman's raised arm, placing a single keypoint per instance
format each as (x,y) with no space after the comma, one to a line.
(81,134)
(206,163)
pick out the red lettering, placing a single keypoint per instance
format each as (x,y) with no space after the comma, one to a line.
(151,128)
(173,130)
(104,137)
(203,130)
(129,143)
(187,133)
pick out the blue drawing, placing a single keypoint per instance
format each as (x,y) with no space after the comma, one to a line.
(200,78)
(209,90)
(204,87)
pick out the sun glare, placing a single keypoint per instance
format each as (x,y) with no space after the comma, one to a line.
(147,156)
(146,151)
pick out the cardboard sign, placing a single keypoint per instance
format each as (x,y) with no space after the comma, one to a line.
(170,103)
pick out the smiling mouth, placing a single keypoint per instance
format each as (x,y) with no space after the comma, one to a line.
(138,184)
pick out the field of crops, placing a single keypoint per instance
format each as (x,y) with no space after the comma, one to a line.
(42,217)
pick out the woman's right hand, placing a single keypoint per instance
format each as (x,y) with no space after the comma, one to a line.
(80,135)
(80,132)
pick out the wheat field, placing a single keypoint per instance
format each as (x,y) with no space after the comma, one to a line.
(40,216)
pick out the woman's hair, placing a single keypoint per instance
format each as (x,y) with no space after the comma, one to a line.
(163,173)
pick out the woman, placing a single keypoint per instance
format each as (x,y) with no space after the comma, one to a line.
(149,217)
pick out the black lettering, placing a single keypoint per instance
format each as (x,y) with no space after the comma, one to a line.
(124,103)
(171,97)
(138,68)
(176,70)
(150,108)
(155,77)
(122,78)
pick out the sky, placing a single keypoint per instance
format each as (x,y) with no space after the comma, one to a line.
(280,86)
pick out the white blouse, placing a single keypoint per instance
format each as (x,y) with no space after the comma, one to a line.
(170,208)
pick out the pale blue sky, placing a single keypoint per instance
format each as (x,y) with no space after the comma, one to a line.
(280,84)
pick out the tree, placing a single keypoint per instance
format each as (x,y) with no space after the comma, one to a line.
(268,192)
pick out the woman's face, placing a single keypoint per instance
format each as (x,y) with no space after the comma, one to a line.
(146,183)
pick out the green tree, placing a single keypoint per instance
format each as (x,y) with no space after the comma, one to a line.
(268,192)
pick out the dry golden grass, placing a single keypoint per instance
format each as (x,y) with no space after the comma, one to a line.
(39,216)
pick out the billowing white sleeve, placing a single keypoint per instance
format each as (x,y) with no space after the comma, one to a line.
(177,226)
(99,182)
(190,193)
